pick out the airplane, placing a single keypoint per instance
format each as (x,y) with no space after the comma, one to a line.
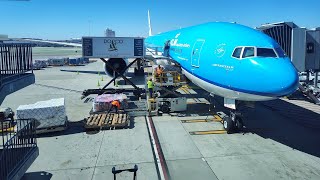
(226,59)
(230,60)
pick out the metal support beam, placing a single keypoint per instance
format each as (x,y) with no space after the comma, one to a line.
(136,91)
(119,74)
(169,91)
(87,92)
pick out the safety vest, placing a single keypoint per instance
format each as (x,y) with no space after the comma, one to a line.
(116,103)
(150,84)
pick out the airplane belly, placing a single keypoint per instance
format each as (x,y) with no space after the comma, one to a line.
(223,92)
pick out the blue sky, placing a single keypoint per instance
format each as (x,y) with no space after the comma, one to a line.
(64,19)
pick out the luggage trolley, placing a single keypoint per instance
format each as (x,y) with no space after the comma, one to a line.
(134,170)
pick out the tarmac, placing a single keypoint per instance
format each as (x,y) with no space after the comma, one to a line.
(275,144)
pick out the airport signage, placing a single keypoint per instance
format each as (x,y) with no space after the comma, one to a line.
(113,47)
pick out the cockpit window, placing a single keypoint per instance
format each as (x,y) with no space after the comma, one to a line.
(248,52)
(237,52)
(280,52)
(265,52)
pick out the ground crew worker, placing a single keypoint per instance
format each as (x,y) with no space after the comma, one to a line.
(159,73)
(166,48)
(115,104)
(150,87)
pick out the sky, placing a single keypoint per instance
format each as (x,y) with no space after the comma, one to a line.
(65,19)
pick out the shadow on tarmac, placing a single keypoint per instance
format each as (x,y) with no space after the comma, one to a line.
(286,123)
(281,121)
(41,175)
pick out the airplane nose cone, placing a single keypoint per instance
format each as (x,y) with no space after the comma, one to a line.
(275,77)
(285,80)
(290,82)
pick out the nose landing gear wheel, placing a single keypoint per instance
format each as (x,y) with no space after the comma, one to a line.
(238,123)
(228,124)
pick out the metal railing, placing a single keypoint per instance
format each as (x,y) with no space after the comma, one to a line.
(18,144)
(15,60)
(154,50)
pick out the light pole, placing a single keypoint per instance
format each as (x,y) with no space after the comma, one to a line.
(89,27)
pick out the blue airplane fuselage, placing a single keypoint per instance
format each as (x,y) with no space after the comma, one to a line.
(207,57)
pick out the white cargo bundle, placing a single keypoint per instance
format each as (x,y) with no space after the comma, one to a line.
(49,113)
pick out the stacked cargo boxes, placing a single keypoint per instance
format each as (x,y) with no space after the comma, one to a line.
(73,62)
(47,114)
(103,102)
(38,64)
(85,60)
(76,61)
(57,62)
(81,60)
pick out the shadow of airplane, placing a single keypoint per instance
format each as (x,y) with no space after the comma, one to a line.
(286,123)
(281,121)
(299,130)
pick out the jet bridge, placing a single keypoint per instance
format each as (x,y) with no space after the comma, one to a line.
(303,47)
(300,44)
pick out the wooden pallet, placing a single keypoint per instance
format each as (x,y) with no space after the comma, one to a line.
(116,120)
(107,121)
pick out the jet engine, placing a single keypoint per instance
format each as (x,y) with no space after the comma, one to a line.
(117,63)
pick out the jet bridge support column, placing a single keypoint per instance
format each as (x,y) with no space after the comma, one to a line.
(316,79)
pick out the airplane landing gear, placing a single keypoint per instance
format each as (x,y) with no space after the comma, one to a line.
(228,124)
(232,123)
(237,120)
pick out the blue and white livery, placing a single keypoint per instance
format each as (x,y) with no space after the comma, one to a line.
(230,60)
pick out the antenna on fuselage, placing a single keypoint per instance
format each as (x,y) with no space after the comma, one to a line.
(149,22)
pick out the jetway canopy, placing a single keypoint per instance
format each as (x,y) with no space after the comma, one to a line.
(300,44)
(281,32)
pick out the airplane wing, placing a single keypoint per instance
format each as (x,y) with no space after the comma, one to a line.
(55,42)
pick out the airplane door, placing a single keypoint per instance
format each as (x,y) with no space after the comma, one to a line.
(195,54)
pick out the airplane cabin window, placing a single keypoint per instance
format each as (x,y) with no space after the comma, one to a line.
(266,52)
(248,52)
(237,52)
(280,52)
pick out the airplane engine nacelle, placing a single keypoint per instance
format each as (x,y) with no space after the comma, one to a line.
(117,63)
